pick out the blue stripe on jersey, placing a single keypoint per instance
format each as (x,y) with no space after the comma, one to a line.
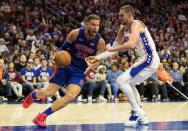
(136,70)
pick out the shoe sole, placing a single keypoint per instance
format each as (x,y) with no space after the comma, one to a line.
(35,122)
(135,123)
(143,123)
(27,105)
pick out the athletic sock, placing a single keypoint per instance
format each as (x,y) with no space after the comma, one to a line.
(34,95)
(48,111)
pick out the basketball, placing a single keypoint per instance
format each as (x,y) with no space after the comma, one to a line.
(62,59)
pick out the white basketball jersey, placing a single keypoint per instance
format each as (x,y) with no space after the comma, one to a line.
(145,39)
(146,50)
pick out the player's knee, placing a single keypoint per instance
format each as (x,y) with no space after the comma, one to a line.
(119,80)
(49,93)
(122,79)
(71,96)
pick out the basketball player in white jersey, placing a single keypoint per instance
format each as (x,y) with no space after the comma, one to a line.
(146,65)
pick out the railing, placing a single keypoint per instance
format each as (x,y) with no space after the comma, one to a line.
(61,15)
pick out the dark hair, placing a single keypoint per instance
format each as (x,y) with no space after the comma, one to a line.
(115,64)
(128,9)
(93,17)
(43,60)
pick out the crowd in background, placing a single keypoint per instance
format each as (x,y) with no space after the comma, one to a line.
(30,35)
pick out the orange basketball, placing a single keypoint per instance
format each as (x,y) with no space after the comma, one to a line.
(62,59)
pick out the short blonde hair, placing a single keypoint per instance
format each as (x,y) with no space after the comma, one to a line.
(128,9)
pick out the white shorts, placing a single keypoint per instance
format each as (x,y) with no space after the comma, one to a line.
(139,72)
(138,78)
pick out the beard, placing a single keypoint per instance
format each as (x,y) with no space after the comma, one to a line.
(92,32)
(124,23)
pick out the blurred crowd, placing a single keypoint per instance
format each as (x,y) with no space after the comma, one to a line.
(30,35)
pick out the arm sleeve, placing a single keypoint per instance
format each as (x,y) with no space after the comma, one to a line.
(107,54)
(64,46)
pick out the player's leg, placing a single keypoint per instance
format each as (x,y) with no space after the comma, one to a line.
(126,86)
(124,82)
(143,120)
(50,90)
(60,78)
(139,78)
(136,94)
(72,91)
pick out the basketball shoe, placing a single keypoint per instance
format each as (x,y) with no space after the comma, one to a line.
(40,120)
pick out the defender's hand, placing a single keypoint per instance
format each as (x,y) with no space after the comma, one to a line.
(89,66)
(109,47)
(91,59)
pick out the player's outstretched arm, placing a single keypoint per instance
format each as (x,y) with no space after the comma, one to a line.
(133,39)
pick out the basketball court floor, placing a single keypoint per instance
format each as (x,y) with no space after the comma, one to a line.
(95,117)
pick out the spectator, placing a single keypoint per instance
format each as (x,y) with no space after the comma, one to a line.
(163,77)
(185,80)
(177,77)
(141,89)
(28,76)
(166,65)
(111,77)
(152,83)
(4,81)
(21,64)
(96,81)
(43,75)
(31,37)
(89,84)
(36,64)
(14,80)
(3,47)
(100,82)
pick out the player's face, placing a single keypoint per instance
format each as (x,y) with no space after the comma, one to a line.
(93,26)
(124,17)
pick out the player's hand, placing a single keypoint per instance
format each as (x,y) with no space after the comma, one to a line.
(54,62)
(91,59)
(109,47)
(89,66)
